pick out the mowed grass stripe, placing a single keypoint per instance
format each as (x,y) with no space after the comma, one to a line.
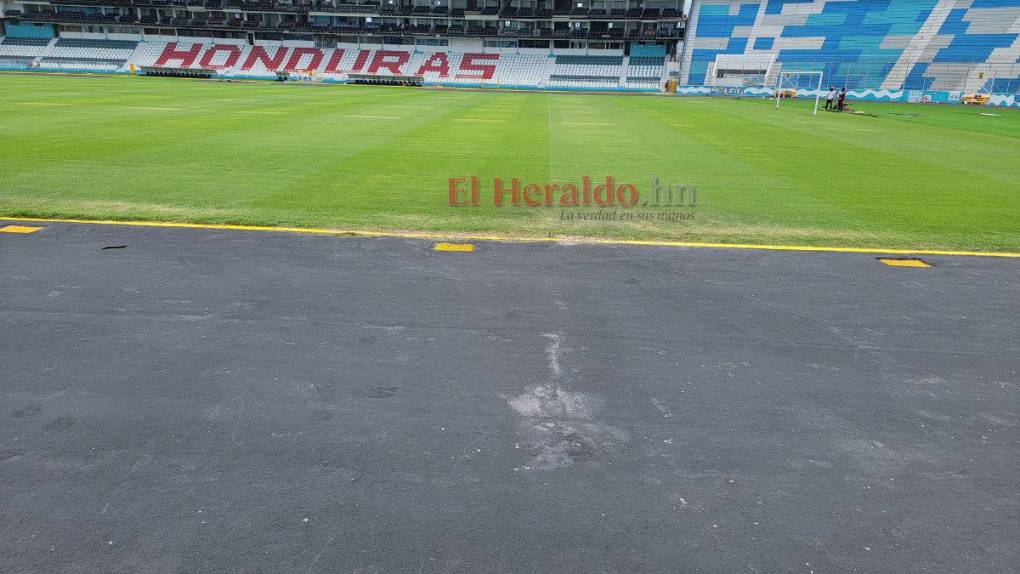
(733,161)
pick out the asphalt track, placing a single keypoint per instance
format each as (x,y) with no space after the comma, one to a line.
(227,401)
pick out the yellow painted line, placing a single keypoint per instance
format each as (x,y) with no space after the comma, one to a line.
(454,247)
(903,262)
(19,229)
(512,239)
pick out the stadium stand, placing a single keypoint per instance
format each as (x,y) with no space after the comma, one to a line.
(644,72)
(21,53)
(965,45)
(87,55)
(585,70)
(494,68)
(523,39)
(23,47)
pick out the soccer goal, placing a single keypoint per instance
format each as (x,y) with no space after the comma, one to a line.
(789,82)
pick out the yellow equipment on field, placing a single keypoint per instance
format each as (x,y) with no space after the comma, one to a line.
(975,99)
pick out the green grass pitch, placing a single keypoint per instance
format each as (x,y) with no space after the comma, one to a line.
(907,176)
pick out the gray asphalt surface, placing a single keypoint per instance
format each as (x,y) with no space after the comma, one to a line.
(224,401)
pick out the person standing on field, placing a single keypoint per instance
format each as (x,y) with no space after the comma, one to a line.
(829,98)
(842,97)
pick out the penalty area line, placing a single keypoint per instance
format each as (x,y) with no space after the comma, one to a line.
(510,239)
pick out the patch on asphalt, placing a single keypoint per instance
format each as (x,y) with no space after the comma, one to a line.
(561,426)
(27,411)
(62,423)
(377,393)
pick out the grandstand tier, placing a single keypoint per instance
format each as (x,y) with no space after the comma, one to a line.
(506,68)
(554,23)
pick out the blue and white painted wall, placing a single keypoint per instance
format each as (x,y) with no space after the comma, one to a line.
(878,45)
(906,96)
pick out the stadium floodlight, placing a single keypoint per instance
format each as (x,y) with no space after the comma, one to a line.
(789,81)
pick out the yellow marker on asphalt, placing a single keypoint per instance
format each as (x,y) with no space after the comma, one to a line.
(19,229)
(454,247)
(903,262)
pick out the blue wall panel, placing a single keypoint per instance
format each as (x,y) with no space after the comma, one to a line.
(24,30)
(862,42)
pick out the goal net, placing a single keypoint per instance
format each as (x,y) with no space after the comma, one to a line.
(799,84)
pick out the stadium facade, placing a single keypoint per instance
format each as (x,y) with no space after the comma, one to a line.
(941,50)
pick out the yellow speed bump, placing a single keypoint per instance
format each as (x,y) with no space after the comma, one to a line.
(892,262)
(19,229)
(454,247)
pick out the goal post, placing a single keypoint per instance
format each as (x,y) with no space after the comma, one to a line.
(789,81)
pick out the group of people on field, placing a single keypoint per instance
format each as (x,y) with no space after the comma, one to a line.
(835,101)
